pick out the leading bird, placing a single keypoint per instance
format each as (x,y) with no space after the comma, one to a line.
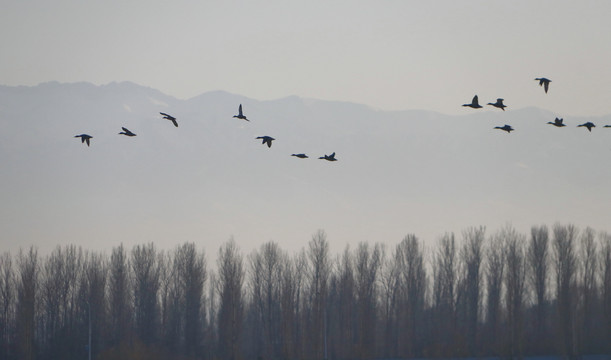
(84,138)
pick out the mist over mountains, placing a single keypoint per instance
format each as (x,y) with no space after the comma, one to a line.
(404,172)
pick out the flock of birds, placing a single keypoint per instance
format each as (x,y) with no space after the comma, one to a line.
(86,138)
(267,140)
(499,104)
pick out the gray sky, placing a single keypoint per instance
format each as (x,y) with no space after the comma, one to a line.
(393,55)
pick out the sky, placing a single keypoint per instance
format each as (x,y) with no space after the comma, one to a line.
(391,55)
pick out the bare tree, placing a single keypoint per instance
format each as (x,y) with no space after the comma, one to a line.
(120,314)
(146,272)
(412,286)
(266,270)
(444,297)
(515,272)
(537,258)
(58,290)
(588,294)
(565,263)
(367,267)
(471,255)
(171,303)
(93,286)
(211,329)
(495,267)
(318,273)
(291,305)
(27,289)
(231,309)
(7,305)
(390,280)
(191,269)
(341,308)
(53,295)
(605,264)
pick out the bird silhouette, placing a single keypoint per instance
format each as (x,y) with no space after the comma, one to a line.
(474,103)
(301,156)
(588,125)
(266,140)
(240,114)
(507,128)
(126,132)
(84,138)
(607,126)
(329,157)
(557,122)
(170,117)
(544,82)
(499,104)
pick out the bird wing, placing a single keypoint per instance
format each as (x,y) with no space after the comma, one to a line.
(174,122)
(545,85)
(475,101)
(240,110)
(125,129)
(87,140)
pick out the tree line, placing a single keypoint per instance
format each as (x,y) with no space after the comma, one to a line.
(504,294)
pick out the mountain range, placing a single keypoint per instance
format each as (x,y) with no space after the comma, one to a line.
(209,179)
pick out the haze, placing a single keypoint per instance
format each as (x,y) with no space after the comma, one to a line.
(386,55)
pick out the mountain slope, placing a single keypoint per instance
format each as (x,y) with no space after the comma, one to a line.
(398,172)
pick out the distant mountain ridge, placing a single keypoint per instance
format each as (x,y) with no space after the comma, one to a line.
(398,172)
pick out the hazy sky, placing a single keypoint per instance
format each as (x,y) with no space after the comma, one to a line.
(393,55)
(390,55)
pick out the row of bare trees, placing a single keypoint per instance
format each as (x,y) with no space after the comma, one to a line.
(503,294)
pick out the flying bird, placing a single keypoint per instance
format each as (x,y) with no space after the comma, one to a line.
(474,103)
(544,82)
(126,132)
(507,128)
(266,140)
(499,104)
(169,117)
(589,125)
(240,115)
(557,122)
(84,138)
(329,157)
(301,156)
(609,126)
